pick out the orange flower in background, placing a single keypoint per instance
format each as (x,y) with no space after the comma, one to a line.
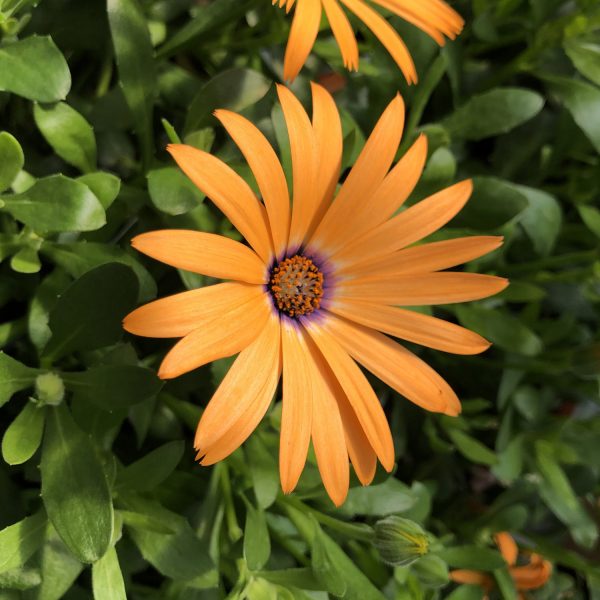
(531,575)
(315,291)
(434,17)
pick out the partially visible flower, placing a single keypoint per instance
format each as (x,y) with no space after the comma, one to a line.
(400,541)
(434,17)
(316,290)
(531,574)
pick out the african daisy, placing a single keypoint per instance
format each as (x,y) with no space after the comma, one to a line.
(530,574)
(434,17)
(315,291)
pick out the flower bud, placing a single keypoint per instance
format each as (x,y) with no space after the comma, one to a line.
(49,389)
(400,541)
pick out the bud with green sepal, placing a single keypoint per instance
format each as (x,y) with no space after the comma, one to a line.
(49,389)
(400,541)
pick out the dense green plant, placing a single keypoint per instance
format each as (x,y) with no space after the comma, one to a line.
(99,491)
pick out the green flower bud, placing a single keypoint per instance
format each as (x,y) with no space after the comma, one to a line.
(400,541)
(49,389)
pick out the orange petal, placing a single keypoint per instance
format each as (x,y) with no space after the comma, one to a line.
(342,31)
(532,576)
(427,257)
(367,174)
(178,315)
(472,578)
(304,164)
(409,226)
(507,546)
(360,394)
(297,409)
(229,192)
(387,35)
(267,171)
(412,326)
(328,135)
(446,287)
(303,33)
(204,253)
(223,336)
(243,397)
(395,365)
(327,429)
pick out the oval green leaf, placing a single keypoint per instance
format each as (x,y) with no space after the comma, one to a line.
(24,435)
(11,159)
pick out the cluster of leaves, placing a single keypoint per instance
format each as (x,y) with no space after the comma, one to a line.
(97,466)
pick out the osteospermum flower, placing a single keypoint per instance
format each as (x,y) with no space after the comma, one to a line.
(530,574)
(315,291)
(434,17)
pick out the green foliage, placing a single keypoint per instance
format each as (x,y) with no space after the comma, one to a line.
(100,496)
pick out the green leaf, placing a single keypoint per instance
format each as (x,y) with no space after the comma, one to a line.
(57,203)
(89,313)
(585,56)
(74,488)
(494,202)
(582,100)
(505,584)
(11,159)
(20,579)
(107,579)
(80,257)
(137,70)
(24,435)
(105,186)
(590,215)
(18,542)
(325,566)
(69,134)
(257,544)
(541,220)
(471,448)
(472,557)
(173,192)
(113,387)
(431,571)
(557,493)
(151,470)
(209,17)
(26,260)
(263,471)
(35,69)
(501,328)
(494,112)
(387,498)
(14,377)
(467,592)
(234,89)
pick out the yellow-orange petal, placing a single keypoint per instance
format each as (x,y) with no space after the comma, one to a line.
(507,546)
(359,392)
(472,578)
(303,33)
(223,336)
(178,315)
(395,365)
(343,33)
(204,253)
(229,192)
(532,576)
(328,436)
(447,287)
(243,397)
(387,35)
(328,135)
(412,326)
(267,171)
(303,149)
(297,407)
(366,175)
(427,258)
(409,226)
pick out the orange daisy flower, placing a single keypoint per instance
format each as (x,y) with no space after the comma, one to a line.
(531,575)
(315,291)
(434,17)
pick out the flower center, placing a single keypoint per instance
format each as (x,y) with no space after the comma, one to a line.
(296,285)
